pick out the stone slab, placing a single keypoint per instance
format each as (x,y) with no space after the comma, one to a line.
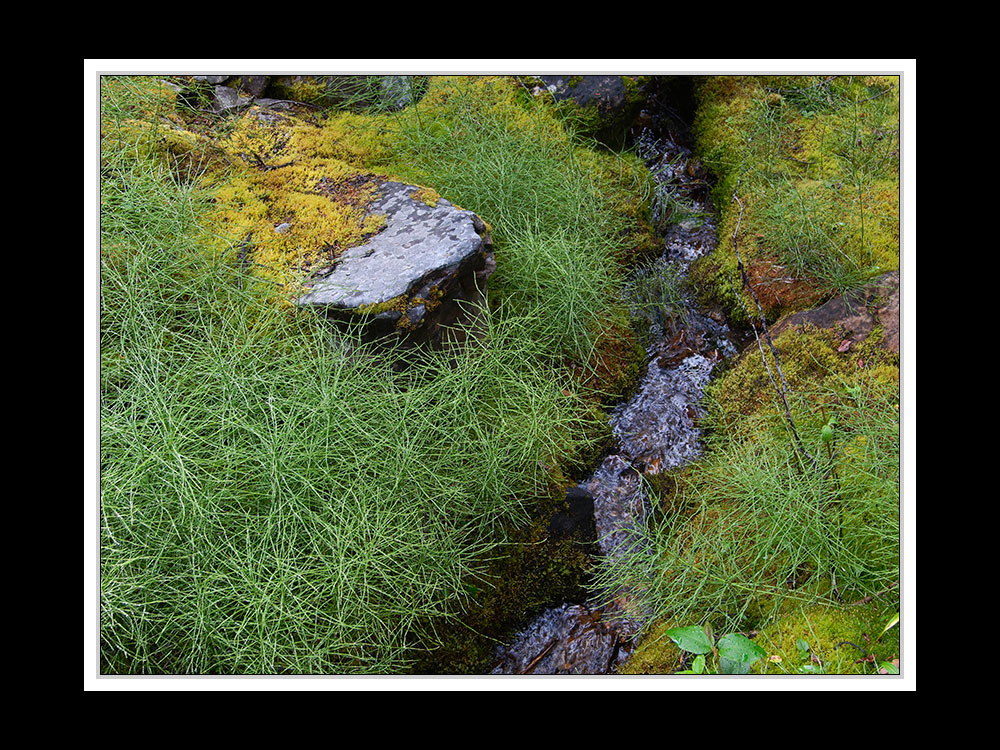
(417,243)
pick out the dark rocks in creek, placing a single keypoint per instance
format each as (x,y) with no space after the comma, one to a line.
(568,639)
(606,105)
(577,522)
(655,431)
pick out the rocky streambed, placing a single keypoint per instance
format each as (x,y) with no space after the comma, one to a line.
(656,430)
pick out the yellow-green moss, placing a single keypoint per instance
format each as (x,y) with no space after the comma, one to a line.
(817,164)
(397,304)
(838,640)
(427,196)
(655,653)
(301,88)
(810,362)
(626,184)
(287,196)
(845,639)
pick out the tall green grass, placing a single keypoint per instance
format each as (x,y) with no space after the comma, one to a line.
(488,146)
(276,498)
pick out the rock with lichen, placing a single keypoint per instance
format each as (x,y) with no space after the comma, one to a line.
(856,314)
(424,274)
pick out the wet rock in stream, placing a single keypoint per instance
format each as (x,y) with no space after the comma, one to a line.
(569,639)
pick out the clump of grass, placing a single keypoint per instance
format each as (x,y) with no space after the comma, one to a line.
(271,505)
(812,237)
(555,282)
(492,149)
(656,293)
(817,164)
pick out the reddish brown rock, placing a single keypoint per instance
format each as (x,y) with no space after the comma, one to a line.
(856,314)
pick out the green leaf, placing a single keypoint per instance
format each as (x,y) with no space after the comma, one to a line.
(889,667)
(892,623)
(698,667)
(738,648)
(802,646)
(730,666)
(691,639)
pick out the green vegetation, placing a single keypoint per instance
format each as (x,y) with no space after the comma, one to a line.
(755,528)
(277,499)
(733,654)
(816,160)
(655,293)
(565,219)
(790,521)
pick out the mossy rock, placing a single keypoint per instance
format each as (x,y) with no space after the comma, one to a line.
(599,107)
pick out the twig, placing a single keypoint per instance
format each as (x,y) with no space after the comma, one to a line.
(544,652)
(883,91)
(268,167)
(868,598)
(783,390)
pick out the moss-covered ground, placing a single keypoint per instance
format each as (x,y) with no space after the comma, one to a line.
(272,506)
(815,162)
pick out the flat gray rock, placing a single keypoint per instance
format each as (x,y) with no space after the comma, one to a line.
(419,242)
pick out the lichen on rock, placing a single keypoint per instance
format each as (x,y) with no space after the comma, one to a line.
(426,259)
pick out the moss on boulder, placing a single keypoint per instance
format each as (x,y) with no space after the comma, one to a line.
(600,107)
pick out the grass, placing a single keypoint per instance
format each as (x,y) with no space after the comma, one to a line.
(276,499)
(753,529)
(655,292)
(558,213)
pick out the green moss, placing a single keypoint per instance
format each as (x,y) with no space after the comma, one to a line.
(655,653)
(397,304)
(309,89)
(627,187)
(285,194)
(845,639)
(427,196)
(817,162)
(818,639)
(534,572)
(810,361)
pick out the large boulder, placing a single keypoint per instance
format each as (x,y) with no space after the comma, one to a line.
(423,275)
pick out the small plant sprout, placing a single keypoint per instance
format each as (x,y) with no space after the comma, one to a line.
(734,653)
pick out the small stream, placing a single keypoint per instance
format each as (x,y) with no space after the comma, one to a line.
(656,430)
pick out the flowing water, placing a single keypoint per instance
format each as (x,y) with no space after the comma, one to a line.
(656,430)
